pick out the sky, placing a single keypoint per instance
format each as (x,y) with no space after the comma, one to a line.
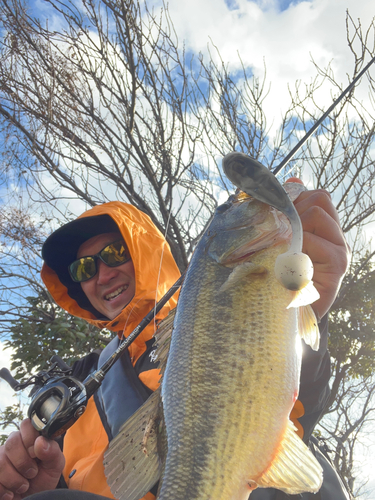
(7,395)
(284,36)
(6,392)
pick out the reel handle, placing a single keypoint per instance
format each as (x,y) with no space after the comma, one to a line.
(60,363)
(7,376)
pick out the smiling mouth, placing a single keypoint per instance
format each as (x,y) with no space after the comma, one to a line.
(116,293)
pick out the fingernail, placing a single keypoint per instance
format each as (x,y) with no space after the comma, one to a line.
(29,474)
(8,495)
(31,452)
(46,445)
(22,489)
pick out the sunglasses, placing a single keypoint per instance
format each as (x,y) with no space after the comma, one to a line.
(112,255)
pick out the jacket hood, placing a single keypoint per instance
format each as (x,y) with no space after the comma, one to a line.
(155,268)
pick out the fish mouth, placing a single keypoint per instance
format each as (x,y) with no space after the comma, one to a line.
(116,293)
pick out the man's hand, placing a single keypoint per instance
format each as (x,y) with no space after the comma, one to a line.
(29,463)
(324,243)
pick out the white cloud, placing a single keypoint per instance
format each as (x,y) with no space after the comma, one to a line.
(286,40)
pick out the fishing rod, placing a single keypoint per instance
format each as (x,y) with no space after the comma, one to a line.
(260,182)
(290,155)
(59,399)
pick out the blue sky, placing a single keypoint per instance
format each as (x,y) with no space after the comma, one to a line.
(285,4)
(281,4)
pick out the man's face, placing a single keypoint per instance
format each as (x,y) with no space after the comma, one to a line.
(112,288)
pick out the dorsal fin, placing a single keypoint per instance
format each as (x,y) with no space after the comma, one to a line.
(131,464)
(163,340)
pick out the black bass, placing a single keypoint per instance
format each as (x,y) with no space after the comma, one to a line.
(221,426)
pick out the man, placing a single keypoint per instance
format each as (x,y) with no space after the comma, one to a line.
(108,267)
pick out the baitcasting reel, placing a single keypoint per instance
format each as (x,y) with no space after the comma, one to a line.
(58,398)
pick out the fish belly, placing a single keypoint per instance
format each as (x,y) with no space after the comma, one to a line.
(230,384)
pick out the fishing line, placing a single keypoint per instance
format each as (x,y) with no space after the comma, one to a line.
(290,155)
(156,308)
(161,262)
(129,316)
(100,373)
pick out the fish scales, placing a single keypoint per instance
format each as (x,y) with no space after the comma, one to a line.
(230,363)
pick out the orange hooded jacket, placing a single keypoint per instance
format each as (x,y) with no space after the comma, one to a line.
(155,272)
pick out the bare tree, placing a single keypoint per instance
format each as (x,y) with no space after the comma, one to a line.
(350,412)
(106,104)
(347,425)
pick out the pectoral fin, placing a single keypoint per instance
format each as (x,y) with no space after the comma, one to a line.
(240,272)
(308,327)
(307,322)
(294,470)
(305,296)
(132,464)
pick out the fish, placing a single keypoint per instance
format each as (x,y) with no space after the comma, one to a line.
(230,358)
